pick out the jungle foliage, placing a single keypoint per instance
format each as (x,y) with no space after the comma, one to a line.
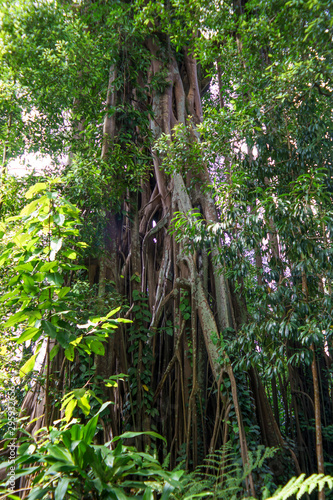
(170,272)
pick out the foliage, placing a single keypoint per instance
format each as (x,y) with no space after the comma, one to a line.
(38,254)
(140,372)
(300,486)
(221,474)
(37,261)
(97,187)
(278,304)
(65,463)
(12,194)
(267,141)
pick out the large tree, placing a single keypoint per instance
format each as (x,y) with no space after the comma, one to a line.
(118,87)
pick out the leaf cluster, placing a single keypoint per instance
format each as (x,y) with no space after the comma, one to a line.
(65,463)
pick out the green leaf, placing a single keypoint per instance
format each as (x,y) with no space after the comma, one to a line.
(37,493)
(90,429)
(70,409)
(77,341)
(97,347)
(130,434)
(54,351)
(66,399)
(59,453)
(69,352)
(119,494)
(63,338)
(49,329)
(70,254)
(82,244)
(112,313)
(55,279)
(104,405)
(14,218)
(37,188)
(12,282)
(110,326)
(167,490)
(28,334)
(4,257)
(60,467)
(30,208)
(28,280)
(79,393)
(28,366)
(83,403)
(47,266)
(61,489)
(16,318)
(148,494)
(24,267)
(64,291)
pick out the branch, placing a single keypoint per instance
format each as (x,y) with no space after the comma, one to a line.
(158,313)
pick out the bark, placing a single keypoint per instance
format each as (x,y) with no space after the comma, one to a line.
(270,431)
(166,270)
(109,126)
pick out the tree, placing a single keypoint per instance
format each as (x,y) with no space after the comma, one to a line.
(119,87)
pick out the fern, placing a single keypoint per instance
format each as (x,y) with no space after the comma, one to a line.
(299,486)
(222,475)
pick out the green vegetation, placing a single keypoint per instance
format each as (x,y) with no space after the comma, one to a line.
(166,282)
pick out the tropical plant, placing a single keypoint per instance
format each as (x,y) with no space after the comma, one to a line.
(221,474)
(63,462)
(300,486)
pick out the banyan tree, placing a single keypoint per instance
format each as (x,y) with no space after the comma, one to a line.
(116,88)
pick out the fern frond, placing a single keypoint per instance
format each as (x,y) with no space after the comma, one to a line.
(222,474)
(166,461)
(299,486)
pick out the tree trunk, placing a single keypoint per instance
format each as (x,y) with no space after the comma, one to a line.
(183,298)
